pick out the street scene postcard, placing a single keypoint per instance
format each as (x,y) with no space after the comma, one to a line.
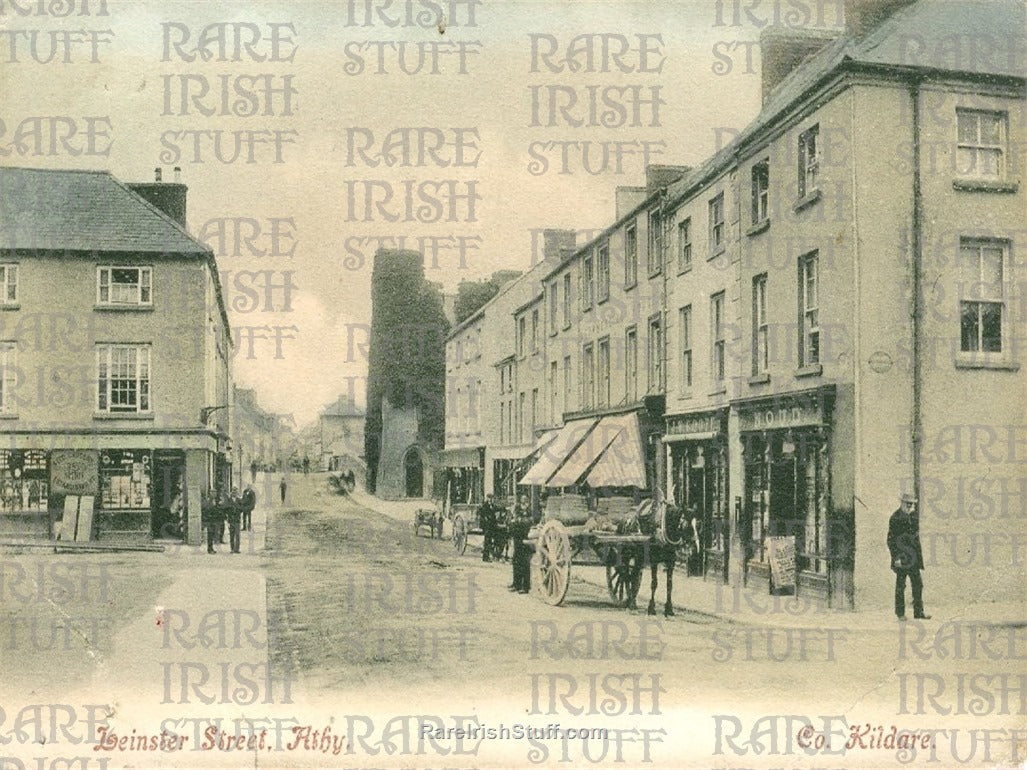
(513,384)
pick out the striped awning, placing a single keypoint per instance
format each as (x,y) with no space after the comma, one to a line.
(622,463)
(557,450)
(585,455)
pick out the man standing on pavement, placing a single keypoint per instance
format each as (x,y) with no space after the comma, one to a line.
(907,557)
(249,502)
(210,514)
(487,522)
(281,488)
(233,512)
(519,528)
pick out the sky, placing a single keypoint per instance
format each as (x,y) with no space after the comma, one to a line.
(485,91)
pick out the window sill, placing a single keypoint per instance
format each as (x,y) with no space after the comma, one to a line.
(631,285)
(128,308)
(997,364)
(806,200)
(759,379)
(603,300)
(8,415)
(123,415)
(655,274)
(566,326)
(717,252)
(10,306)
(719,391)
(684,395)
(813,370)
(984,185)
(760,227)
(683,270)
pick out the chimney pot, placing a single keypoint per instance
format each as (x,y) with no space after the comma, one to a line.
(157,174)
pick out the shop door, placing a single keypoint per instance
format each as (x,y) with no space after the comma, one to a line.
(169,519)
(783,516)
(414,470)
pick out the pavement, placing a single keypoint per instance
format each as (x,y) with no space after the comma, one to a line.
(740,604)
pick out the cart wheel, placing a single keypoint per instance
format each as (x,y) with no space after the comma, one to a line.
(459,535)
(623,578)
(553,560)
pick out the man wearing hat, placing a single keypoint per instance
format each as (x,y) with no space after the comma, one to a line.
(907,558)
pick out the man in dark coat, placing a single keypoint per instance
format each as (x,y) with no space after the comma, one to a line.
(249,502)
(907,557)
(520,525)
(212,516)
(233,514)
(487,522)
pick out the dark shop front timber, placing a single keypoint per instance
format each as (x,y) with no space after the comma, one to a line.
(788,464)
(698,480)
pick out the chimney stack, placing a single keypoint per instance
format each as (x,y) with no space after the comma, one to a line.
(782,49)
(658,176)
(169,197)
(861,16)
(555,241)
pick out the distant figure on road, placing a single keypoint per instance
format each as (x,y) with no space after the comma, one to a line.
(249,502)
(233,513)
(907,557)
(306,466)
(487,522)
(281,488)
(253,472)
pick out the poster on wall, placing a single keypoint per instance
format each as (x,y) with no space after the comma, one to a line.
(782,561)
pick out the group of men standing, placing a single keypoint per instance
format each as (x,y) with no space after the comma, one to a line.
(236,509)
(499,529)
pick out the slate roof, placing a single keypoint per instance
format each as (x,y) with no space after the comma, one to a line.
(71,210)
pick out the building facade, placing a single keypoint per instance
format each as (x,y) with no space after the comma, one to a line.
(342,434)
(818,318)
(115,352)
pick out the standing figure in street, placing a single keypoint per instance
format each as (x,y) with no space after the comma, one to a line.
(249,502)
(233,513)
(487,522)
(519,527)
(253,472)
(306,465)
(281,488)
(210,515)
(907,557)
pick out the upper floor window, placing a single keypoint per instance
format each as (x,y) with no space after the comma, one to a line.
(534,330)
(980,151)
(982,301)
(630,255)
(760,192)
(123,378)
(604,372)
(809,317)
(603,272)
(568,383)
(588,375)
(631,364)
(717,336)
(717,229)
(809,160)
(554,307)
(566,300)
(124,286)
(8,284)
(655,354)
(554,395)
(685,245)
(587,269)
(685,319)
(654,259)
(760,328)
(8,375)
(522,332)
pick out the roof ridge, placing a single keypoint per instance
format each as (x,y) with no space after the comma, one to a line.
(97,171)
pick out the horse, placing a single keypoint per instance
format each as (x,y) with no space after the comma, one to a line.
(668,528)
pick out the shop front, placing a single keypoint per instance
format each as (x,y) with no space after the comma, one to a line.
(697,461)
(24,492)
(787,513)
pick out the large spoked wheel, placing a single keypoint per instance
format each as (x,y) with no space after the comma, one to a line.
(552,563)
(459,535)
(623,578)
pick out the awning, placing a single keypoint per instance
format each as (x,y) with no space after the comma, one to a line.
(585,455)
(622,464)
(557,450)
(462,457)
(545,440)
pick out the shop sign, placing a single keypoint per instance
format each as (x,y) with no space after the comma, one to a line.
(791,414)
(688,424)
(781,551)
(74,472)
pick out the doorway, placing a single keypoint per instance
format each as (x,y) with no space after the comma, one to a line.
(413,468)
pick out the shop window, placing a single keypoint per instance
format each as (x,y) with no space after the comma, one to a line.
(125,480)
(124,286)
(24,480)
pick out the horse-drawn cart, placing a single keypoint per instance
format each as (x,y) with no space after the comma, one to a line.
(647,536)
(431,518)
